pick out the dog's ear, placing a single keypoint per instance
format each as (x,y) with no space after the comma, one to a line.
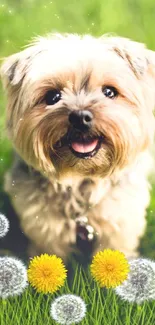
(151,61)
(135,54)
(12,70)
(15,67)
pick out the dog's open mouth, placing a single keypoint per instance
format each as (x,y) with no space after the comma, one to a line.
(86,147)
(81,145)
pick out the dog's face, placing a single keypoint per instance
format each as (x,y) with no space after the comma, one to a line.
(80,105)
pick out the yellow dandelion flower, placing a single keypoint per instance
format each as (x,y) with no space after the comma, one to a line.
(46,273)
(109,268)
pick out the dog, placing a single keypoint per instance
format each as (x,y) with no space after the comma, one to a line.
(80,117)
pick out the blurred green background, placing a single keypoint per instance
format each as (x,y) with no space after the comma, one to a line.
(20,20)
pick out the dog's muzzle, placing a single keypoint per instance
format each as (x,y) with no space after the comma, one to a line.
(81,144)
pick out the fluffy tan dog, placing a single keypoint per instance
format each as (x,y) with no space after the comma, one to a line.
(80,116)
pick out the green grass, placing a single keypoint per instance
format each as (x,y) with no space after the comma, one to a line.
(103,306)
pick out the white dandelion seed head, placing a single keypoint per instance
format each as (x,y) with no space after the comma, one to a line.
(4,225)
(68,309)
(140,284)
(13,277)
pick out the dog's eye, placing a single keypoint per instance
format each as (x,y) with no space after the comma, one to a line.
(110,92)
(52,97)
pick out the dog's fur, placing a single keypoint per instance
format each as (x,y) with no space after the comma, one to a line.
(111,188)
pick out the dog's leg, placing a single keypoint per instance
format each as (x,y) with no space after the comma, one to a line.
(40,212)
(120,217)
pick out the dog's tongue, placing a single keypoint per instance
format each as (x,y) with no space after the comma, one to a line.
(83,147)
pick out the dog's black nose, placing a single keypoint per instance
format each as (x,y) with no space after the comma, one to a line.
(81,120)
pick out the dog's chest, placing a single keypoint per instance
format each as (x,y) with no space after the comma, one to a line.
(74,201)
(75,204)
